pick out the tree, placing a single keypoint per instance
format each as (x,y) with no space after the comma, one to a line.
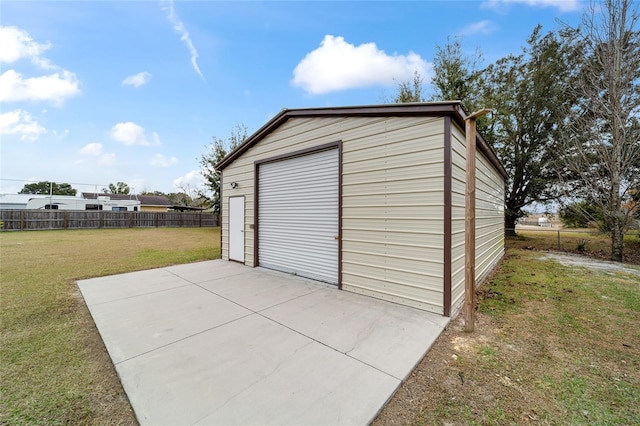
(46,187)
(530,94)
(180,199)
(219,149)
(527,93)
(118,188)
(410,91)
(602,135)
(582,214)
(457,76)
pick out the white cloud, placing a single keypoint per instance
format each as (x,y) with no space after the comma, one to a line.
(137,80)
(60,134)
(179,28)
(55,87)
(93,149)
(482,27)
(561,5)
(192,179)
(338,65)
(160,160)
(107,159)
(130,133)
(16,44)
(21,123)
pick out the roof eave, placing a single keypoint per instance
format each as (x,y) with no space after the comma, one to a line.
(455,109)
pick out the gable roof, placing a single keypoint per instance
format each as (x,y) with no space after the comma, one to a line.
(454,109)
(145,200)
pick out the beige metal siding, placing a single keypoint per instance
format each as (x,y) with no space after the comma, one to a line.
(294,135)
(489,217)
(458,183)
(392,212)
(392,204)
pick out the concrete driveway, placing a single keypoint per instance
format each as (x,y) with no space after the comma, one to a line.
(221,343)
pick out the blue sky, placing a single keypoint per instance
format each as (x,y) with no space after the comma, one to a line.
(99,92)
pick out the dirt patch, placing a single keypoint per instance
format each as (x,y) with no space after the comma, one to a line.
(594,264)
(449,387)
(586,243)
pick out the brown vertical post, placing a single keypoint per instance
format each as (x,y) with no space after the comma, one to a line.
(470,221)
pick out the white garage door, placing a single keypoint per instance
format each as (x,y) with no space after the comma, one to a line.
(298,215)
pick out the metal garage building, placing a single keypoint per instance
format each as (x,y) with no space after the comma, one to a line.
(369,198)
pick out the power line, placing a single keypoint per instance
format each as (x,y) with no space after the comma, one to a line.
(38,181)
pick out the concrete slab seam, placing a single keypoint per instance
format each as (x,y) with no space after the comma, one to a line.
(139,295)
(328,346)
(296,331)
(212,279)
(249,386)
(241,305)
(183,338)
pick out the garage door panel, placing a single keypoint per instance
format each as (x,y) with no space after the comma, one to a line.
(298,215)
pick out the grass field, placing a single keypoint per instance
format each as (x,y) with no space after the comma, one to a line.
(588,242)
(53,366)
(554,344)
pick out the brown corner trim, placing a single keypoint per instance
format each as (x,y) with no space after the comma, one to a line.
(447,217)
(221,186)
(256,222)
(340,214)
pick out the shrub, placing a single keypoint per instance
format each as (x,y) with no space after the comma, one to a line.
(580,215)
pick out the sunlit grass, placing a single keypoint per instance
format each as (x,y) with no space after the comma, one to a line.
(53,367)
(577,329)
(553,345)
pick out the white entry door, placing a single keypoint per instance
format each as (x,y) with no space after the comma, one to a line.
(236,229)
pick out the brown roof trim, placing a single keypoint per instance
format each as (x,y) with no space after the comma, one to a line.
(453,109)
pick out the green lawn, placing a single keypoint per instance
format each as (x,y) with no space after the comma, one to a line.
(587,242)
(53,366)
(554,344)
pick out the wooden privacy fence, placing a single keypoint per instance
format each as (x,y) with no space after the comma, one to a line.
(23,220)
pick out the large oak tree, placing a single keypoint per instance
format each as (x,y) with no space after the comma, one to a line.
(530,94)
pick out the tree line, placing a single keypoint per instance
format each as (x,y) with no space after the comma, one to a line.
(566,116)
(185,197)
(565,122)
